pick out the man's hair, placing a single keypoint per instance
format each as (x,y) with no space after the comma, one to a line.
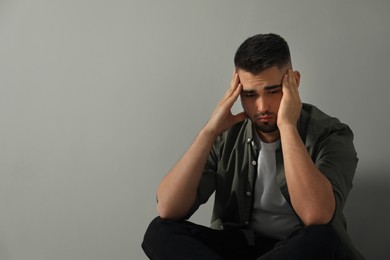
(261,52)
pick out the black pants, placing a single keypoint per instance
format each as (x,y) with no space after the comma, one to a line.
(170,240)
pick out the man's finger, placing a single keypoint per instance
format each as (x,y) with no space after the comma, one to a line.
(233,86)
(291,78)
(234,82)
(233,97)
(285,80)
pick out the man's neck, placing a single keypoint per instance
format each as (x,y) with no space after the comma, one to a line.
(269,137)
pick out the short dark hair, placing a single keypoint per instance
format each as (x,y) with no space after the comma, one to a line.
(261,52)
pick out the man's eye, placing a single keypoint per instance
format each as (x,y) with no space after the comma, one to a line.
(273,92)
(249,95)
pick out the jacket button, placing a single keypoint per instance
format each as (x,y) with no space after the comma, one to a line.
(248,193)
(254,162)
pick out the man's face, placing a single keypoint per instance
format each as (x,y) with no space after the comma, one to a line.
(260,97)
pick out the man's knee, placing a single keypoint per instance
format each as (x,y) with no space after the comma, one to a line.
(322,233)
(155,231)
(313,242)
(152,234)
(325,239)
(168,239)
(164,233)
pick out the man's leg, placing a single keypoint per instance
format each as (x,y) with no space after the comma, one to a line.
(165,239)
(313,242)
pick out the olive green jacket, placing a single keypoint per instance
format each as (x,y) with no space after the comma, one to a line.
(231,170)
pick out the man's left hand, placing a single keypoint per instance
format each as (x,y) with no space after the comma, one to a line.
(290,105)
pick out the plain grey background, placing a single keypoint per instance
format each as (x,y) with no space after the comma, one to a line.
(98,99)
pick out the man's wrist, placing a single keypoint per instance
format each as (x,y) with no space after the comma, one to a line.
(287,127)
(209,134)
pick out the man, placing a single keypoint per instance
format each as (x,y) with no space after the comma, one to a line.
(281,171)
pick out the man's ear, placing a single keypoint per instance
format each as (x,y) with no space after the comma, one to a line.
(297,75)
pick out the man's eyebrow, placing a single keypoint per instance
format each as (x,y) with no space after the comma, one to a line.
(266,88)
(272,87)
(248,91)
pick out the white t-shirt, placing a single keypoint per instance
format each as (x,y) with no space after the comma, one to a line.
(272,215)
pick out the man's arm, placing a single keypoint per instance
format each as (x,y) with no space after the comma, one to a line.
(177,191)
(311,193)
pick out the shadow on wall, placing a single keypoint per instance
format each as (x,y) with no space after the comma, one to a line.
(367,211)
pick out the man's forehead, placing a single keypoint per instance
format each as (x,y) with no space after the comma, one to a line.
(271,76)
(258,84)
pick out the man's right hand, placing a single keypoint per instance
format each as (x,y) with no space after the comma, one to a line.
(222,117)
(177,191)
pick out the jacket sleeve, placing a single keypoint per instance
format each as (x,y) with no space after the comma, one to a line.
(336,158)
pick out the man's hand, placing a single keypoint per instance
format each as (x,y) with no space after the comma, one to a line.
(291,105)
(310,191)
(177,191)
(222,117)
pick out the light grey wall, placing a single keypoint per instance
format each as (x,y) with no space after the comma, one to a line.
(98,99)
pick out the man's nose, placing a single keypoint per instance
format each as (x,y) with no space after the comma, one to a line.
(262,104)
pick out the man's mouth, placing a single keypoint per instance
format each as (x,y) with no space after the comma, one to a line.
(263,117)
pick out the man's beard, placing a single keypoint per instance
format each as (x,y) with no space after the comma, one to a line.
(265,127)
